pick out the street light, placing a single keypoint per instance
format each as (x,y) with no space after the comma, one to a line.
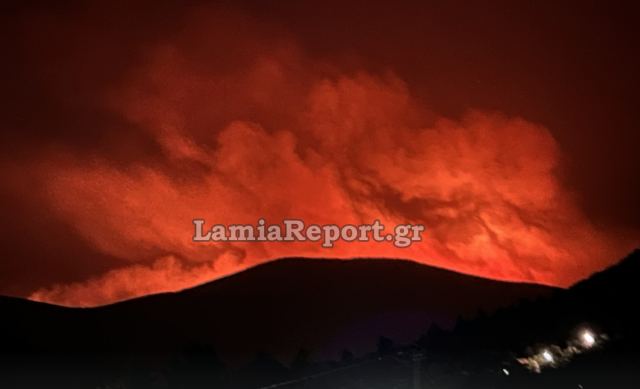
(547,356)
(588,339)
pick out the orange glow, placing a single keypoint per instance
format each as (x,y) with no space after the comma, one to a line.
(260,129)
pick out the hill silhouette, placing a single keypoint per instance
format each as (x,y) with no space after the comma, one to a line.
(276,309)
(605,300)
(477,352)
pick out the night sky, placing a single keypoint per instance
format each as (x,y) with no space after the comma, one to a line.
(509,130)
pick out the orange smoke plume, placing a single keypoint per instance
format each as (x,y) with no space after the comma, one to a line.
(258,129)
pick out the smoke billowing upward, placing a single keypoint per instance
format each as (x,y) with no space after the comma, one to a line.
(231,118)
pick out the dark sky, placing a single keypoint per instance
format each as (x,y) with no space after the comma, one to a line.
(508,128)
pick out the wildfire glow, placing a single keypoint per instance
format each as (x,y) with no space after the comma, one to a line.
(242,123)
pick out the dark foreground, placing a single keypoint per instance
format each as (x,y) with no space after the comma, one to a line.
(420,328)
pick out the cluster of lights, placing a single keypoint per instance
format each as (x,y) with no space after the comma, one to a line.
(553,355)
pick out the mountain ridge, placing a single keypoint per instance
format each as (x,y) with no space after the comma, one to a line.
(278,307)
(311,307)
(298,261)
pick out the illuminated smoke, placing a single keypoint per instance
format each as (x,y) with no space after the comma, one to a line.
(260,129)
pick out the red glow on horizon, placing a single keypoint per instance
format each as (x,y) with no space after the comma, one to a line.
(247,125)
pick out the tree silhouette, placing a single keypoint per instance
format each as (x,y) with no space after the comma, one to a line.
(301,360)
(346,356)
(385,345)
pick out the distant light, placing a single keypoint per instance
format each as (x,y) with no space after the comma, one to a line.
(547,356)
(505,371)
(588,339)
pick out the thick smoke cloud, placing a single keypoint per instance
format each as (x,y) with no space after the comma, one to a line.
(231,119)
